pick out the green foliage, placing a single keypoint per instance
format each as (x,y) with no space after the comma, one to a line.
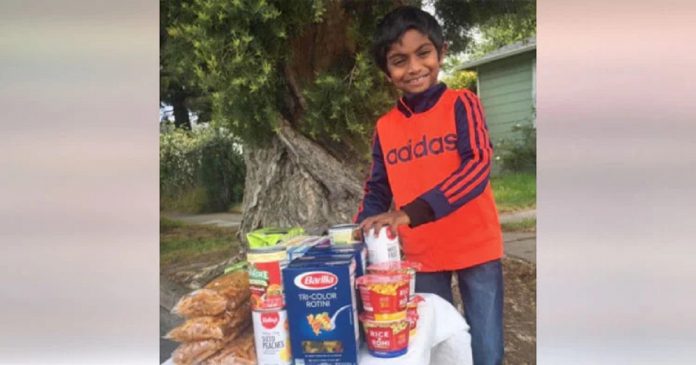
(460,16)
(524,225)
(200,170)
(462,80)
(518,154)
(504,29)
(514,191)
(343,109)
(235,50)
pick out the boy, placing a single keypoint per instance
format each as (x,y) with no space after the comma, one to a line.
(431,156)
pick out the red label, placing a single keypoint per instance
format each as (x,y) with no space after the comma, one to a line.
(384,339)
(316,280)
(269,320)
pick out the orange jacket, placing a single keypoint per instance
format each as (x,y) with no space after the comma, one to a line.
(434,148)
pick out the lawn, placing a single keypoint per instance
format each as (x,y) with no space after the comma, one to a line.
(514,191)
(181,243)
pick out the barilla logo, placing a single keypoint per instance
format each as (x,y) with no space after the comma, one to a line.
(269,320)
(422,148)
(316,280)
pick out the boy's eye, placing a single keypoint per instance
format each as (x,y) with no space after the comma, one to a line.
(398,62)
(424,53)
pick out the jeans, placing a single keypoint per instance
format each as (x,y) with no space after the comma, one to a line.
(481,289)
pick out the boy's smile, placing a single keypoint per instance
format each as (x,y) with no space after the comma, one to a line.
(413,62)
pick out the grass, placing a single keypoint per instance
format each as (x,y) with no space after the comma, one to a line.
(181,243)
(514,191)
(525,225)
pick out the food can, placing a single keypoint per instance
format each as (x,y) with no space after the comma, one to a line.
(412,317)
(398,267)
(343,234)
(271,337)
(265,277)
(384,295)
(382,247)
(386,338)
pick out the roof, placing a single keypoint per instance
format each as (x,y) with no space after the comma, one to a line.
(526,45)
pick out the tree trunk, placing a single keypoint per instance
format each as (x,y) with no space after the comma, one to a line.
(295,182)
(181,113)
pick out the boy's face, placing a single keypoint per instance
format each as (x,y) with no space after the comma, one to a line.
(413,62)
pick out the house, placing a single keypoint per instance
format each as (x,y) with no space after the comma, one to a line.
(506,85)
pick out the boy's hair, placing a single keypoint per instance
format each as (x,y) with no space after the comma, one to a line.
(396,23)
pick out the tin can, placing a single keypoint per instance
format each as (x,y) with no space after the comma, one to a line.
(343,234)
(382,247)
(265,277)
(271,337)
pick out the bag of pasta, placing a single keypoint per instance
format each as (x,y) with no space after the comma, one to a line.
(233,286)
(224,326)
(201,302)
(241,351)
(195,352)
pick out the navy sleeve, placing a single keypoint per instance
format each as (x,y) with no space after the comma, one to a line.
(377,196)
(470,179)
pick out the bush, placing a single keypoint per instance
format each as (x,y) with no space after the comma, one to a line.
(518,154)
(462,80)
(200,170)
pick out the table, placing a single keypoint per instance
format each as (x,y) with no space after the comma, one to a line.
(442,338)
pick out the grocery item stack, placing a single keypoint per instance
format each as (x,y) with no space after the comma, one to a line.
(217,327)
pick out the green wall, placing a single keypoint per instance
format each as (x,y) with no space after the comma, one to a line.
(505,89)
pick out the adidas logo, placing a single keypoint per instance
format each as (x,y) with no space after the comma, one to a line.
(422,148)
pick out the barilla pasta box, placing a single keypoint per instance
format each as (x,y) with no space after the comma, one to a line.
(358,250)
(321,307)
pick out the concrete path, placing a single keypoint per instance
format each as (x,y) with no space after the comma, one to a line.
(517,216)
(520,245)
(226,220)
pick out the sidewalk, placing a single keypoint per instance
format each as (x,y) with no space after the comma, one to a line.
(521,245)
(225,220)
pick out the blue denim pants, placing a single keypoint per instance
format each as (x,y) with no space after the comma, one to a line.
(481,289)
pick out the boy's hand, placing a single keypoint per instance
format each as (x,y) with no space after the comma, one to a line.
(390,219)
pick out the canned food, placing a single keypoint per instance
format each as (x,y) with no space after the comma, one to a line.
(386,338)
(398,267)
(271,337)
(265,277)
(343,234)
(383,294)
(382,247)
(412,315)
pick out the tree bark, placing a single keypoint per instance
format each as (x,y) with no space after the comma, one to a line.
(295,182)
(181,116)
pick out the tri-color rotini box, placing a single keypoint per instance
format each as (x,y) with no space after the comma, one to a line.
(321,306)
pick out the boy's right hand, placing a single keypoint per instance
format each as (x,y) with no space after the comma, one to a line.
(391,219)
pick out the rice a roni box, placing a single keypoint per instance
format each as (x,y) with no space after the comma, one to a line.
(321,306)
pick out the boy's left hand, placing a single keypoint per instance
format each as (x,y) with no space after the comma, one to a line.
(390,219)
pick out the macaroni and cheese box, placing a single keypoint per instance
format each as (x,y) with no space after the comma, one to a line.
(321,307)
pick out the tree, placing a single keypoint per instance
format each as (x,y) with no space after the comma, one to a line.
(294,81)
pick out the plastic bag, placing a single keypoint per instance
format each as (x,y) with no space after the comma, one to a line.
(238,279)
(201,302)
(234,287)
(224,326)
(195,352)
(241,351)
